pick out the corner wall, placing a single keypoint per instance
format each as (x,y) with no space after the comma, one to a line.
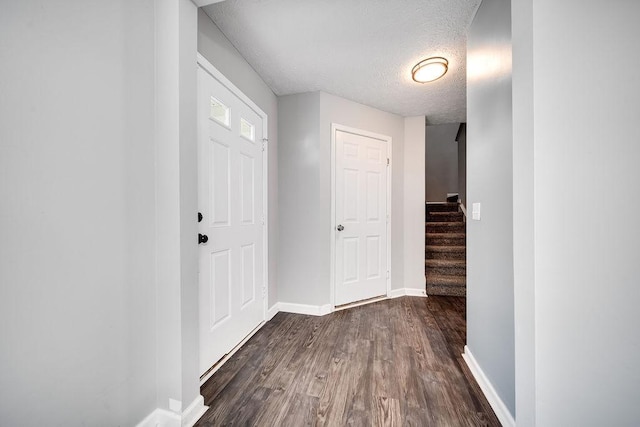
(414,207)
(580,89)
(490,304)
(77,183)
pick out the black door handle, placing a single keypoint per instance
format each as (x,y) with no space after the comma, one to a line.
(202,238)
(199,217)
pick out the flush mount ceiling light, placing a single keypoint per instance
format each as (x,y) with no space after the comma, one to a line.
(430,69)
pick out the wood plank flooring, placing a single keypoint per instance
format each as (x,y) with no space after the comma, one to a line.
(392,363)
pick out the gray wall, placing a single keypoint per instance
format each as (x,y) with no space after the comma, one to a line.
(218,50)
(584,134)
(303,261)
(462,165)
(441,169)
(77,223)
(490,321)
(414,208)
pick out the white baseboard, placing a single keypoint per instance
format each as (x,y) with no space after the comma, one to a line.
(194,411)
(409,292)
(272,312)
(503,414)
(161,418)
(164,418)
(312,310)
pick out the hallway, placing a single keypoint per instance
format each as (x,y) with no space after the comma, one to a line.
(394,362)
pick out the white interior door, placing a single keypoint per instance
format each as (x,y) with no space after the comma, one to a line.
(361,215)
(230,198)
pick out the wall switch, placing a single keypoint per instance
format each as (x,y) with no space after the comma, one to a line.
(475,212)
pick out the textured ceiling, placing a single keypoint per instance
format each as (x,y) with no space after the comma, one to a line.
(362,50)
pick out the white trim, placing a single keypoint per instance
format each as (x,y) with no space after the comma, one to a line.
(194,411)
(311,310)
(160,418)
(165,418)
(463,209)
(409,292)
(332,239)
(498,406)
(359,303)
(413,292)
(272,311)
(209,68)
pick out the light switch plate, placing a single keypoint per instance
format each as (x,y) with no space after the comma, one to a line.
(475,212)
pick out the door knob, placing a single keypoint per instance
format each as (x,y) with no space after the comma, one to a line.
(340,227)
(199,217)
(202,238)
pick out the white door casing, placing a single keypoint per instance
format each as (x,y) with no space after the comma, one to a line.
(360,214)
(232,199)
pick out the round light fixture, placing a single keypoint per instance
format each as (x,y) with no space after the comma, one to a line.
(430,69)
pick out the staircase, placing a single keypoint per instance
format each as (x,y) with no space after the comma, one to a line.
(445,251)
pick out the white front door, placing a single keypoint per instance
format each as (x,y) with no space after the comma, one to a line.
(361,215)
(230,199)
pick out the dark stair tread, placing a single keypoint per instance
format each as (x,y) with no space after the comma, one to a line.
(446,248)
(445,263)
(445,235)
(444,280)
(449,291)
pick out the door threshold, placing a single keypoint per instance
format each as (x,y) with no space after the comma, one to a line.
(360,302)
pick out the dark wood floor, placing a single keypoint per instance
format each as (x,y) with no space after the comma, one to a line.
(391,363)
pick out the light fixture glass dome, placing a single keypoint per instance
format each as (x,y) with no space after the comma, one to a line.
(430,69)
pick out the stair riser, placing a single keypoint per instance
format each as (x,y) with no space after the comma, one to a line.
(445,241)
(447,271)
(446,217)
(430,254)
(453,207)
(452,291)
(450,227)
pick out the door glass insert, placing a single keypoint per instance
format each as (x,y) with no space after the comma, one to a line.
(219,112)
(247,130)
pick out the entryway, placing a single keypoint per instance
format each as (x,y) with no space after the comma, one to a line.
(232,215)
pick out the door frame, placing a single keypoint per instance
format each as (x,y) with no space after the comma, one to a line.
(335,127)
(209,68)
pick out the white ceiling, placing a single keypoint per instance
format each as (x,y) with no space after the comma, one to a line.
(362,50)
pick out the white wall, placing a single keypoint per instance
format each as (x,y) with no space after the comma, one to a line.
(584,88)
(77,223)
(414,208)
(490,304)
(218,50)
(441,169)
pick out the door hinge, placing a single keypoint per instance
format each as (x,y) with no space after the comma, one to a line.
(387,274)
(264,143)
(263,221)
(388,161)
(264,291)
